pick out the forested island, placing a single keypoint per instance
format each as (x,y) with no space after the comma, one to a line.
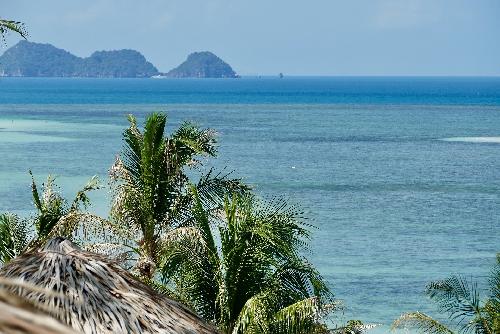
(203,65)
(29,59)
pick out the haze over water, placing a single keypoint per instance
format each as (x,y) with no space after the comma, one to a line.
(399,175)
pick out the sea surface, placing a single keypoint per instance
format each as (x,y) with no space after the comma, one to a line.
(400,176)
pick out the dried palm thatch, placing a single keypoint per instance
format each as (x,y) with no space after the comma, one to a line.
(17,316)
(95,295)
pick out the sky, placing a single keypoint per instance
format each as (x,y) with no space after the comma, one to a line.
(266,37)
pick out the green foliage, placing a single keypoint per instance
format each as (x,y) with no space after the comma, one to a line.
(242,269)
(7,26)
(459,298)
(51,206)
(150,183)
(16,234)
(210,244)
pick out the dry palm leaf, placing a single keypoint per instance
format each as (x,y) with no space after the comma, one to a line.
(19,316)
(95,295)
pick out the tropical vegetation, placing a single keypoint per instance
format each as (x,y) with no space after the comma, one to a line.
(459,298)
(200,237)
(150,184)
(17,234)
(242,268)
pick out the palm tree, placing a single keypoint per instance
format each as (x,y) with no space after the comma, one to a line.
(14,26)
(150,183)
(16,233)
(459,298)
(241,269)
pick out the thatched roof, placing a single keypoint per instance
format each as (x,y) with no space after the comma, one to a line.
(18,316)
(95,295)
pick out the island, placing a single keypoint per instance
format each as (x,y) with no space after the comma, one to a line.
(202,65)
(29,59)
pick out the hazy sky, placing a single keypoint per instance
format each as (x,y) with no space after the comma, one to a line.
(296,37)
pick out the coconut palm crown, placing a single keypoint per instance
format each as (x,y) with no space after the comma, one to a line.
(150,181)
(243,271)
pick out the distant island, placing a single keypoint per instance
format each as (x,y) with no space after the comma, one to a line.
(202,65)
(29,59)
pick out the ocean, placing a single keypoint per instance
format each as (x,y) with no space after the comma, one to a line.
(399,175)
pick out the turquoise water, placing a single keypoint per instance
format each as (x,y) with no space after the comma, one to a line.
(400,175)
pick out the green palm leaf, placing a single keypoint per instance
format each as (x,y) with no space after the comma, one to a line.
(191,140)
(54,217)
(186,251)
(299,317)
(254,316)
(52,207)
(243,277)
(14,26)
(14,236)
(421,322)
(460,299)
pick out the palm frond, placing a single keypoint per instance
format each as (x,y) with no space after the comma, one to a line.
(300,317)
(14,236)
(299,279)
(34,192)
(50,204)
(86,226)
(195,141)
(421,322)
(492,306)
(494,281)
(202,220)
(213,187)
(188,262)
(8,25)
(254,316)
(459,298)
(82,197)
